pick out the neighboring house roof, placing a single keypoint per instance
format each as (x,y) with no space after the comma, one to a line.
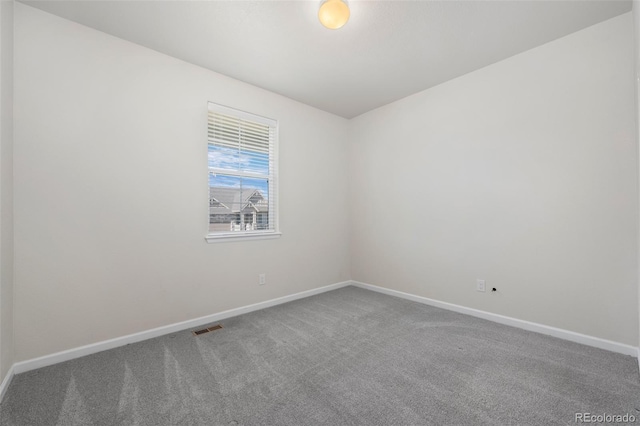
(235,200)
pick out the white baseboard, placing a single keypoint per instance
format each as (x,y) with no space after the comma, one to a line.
(32,364)
(6,382)
(514,322)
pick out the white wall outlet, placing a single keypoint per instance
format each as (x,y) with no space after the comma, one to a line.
(262,279)
(480,285)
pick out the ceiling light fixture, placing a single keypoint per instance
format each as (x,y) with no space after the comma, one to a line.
(333,14)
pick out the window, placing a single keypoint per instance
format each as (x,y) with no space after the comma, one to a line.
(242,174)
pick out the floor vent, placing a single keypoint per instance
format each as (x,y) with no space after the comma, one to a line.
(206,330)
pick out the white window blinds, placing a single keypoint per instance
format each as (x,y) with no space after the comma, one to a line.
(242,172)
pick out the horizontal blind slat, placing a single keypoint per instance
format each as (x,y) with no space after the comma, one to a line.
(223,132)
(244,125)
(221,121)
(224,120)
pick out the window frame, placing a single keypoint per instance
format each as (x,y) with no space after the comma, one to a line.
(272,178)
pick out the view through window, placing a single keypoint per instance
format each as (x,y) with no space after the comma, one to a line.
(241,151)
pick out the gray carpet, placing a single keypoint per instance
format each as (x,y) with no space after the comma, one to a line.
(346,357)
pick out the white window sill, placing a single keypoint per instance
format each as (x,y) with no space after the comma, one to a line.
(241,236)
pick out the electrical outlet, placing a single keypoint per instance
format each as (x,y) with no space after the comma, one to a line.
(480,285)
(262,279)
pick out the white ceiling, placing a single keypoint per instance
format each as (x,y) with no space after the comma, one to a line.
(388,49)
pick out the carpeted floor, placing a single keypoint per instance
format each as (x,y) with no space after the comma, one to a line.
(346,357)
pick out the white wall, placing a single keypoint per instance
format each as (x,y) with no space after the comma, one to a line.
(522,173)
(111,191)
(636,51)
(6,186)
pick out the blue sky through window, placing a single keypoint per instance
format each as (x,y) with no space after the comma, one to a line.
(233,159)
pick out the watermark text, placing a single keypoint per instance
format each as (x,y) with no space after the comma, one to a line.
(604,418)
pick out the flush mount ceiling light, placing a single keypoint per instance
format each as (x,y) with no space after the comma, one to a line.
(333,14)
